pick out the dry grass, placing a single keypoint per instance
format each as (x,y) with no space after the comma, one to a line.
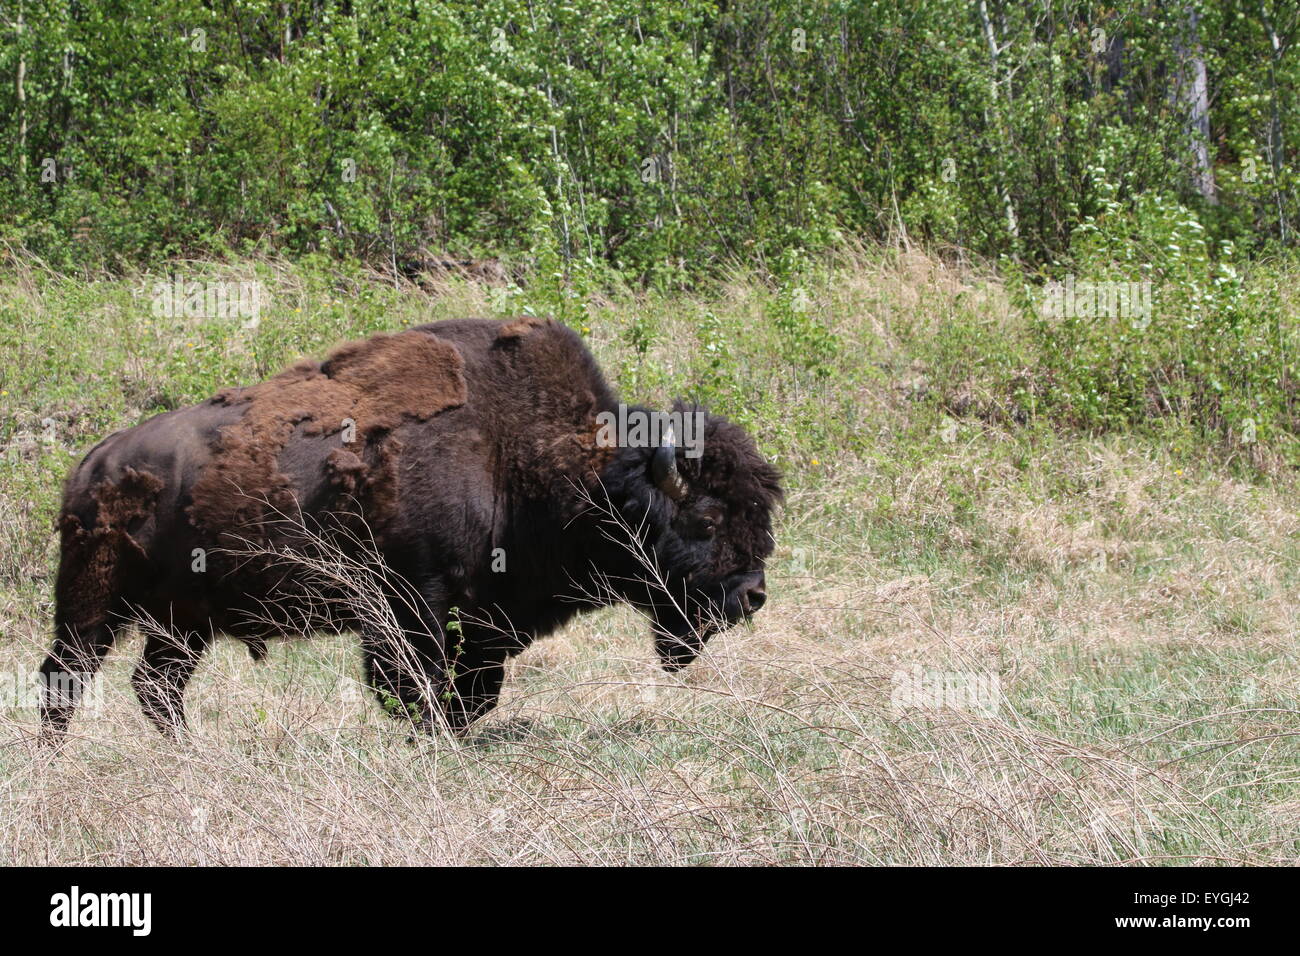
(1137,608)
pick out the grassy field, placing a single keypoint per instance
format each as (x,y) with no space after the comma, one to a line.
(1126,600)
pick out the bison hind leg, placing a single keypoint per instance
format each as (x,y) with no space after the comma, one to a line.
(67,671)
(166,666)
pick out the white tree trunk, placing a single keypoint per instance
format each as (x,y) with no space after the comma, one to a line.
(1013,225)
(1193,91)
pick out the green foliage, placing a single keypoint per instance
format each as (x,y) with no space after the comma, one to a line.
(1213,352)
(805,337)
(661,140)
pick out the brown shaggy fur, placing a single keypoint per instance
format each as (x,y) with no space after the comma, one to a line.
(347,472)
(93,557)
(561,453)
(446,443)
(521,326)
(376,383)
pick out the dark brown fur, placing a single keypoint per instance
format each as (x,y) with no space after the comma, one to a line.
(95,556)
(476,468)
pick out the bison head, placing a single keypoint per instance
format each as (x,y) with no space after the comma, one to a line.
(701,509)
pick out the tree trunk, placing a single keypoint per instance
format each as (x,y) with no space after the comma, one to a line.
(1276,145)
(20,90)
(1193,90)
(1009,209)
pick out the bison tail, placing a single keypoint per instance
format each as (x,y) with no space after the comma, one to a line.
(84,593)
(98,553)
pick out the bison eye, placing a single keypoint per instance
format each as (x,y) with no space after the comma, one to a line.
(708,527)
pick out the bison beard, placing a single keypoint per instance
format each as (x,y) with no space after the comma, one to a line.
(467,452)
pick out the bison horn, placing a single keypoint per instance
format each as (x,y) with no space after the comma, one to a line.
(663,468)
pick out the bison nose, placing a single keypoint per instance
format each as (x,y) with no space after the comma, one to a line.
(757,597)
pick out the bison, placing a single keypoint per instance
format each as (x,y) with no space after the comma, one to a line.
(479,461)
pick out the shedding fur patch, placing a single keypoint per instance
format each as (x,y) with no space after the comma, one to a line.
(347,471)
(374,385)
(517,328)
(92,556)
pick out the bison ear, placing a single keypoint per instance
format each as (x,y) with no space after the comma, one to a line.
(663,468)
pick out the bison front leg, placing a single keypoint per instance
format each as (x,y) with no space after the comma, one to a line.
(403,675)
(166,666)
(479,670)
(405,663)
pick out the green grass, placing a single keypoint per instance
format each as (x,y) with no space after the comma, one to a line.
(1132,591)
